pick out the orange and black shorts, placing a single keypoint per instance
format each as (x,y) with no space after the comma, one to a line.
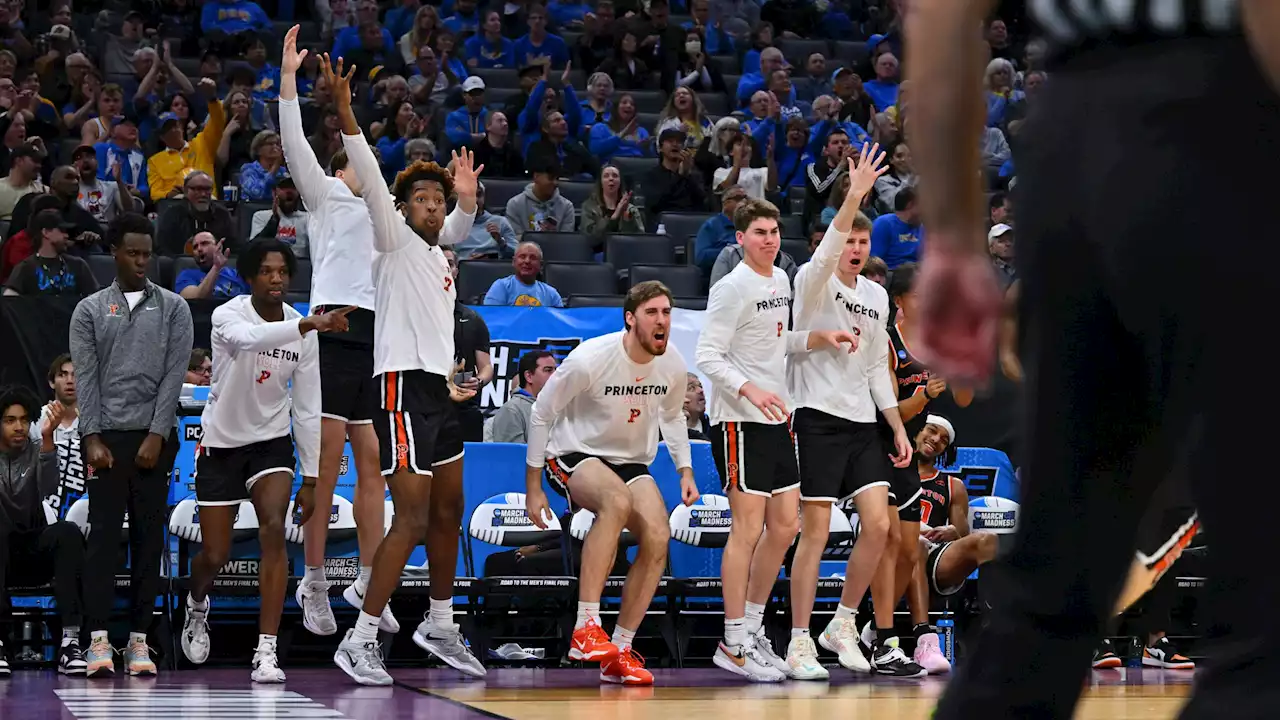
(419,426)
(756,458)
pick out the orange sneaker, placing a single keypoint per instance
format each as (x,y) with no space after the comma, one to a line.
(591,644)
(626,669)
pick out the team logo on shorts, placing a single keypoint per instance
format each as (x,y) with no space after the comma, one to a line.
(402,452)
(732,470)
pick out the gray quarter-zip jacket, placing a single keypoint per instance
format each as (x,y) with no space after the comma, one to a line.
(26,478)
(130,363)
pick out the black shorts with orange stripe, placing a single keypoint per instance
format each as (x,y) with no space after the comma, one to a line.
(756,458)
(416,414)
(560,471)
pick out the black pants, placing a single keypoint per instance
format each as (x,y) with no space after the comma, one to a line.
(471,422)
(29,559)
(145,495)
(1148,270)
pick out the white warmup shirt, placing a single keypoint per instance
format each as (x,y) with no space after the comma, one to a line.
(250,399)
(339,232)
(415,294)
(745,338)
(601,403)
(849,386)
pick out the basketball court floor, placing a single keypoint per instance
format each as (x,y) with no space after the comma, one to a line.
(527,694)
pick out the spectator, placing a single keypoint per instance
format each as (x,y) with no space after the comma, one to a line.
(621,135)
(511,421)
(627,70)
(559,148)
(900,175)
(231,24)
(783,93)
(695,409)
(766,116)
(491,235)
(792,18)
(123,155)
(539,46)
(465,126)
(402,126)
(349,40)
(488,48)
(826,113)
(713,153)
(999,42)
(855,104)
(596,43)
(543,100)
(875,270)
(598,107)
(995,150)
(1000,244)
(756,182)
(86,232)
(109,107)
(194,213)
(673,184)
(609,209)
(32,551)
(51,271)
(465,19)
(689,67)
(497,151)
(286,221)
(179,157)
(793,156)
(529,77)
(267,85)
(822,174)
(129,382)
(1001,209)
(235,147)
(883,91)
(836,200)
(718,231)
(541,207)
(816,82)
(14,130)
(753,81)
(241,80)
(656,33)
(426,23)
(104,200)
(568,14)
(472,363)
(118,50)
(19,246)
(450,56)
(684,109)
(23,178)
(715,39)
(371,51)
(258,177)
(199,368)
(523,288)
(212,277)
(896,237)
(1002,97)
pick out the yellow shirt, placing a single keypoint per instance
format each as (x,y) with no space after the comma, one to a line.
(167,169)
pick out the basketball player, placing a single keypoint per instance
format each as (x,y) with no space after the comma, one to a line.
(341,247)
(837,396)
(418,435)
(595,427)
(917,387)
(742,351)
(265,370)
(1122,116)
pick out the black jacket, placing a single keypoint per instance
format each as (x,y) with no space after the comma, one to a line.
(26,479)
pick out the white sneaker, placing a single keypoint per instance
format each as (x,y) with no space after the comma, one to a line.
(195,633)
(764,646)
(361,661)
(266,669)
(355,598)
(840,637)
(317,616)
(746,661)
(447,643)
(802,660)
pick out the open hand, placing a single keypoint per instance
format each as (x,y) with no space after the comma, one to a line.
(864,172)
(768,403)
(338,80)
(292,59)
(466,176)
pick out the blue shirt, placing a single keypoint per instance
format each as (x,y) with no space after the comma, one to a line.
(488,55)
(461,124)
(399,20)
(133,165)
(348,41)
(553,46)
(604,144)
(884,95)
(716,234)
(267,86)
(228,285)
(894,241)
(459,24)
(566,13)
(510,291)
(233,17)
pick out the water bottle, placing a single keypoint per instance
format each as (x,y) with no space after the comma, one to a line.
(662,229)
(947,631)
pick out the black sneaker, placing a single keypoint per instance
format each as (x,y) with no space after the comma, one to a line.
(889,660)
(1104,658)
(4,662)
(71,659)
(1163,654)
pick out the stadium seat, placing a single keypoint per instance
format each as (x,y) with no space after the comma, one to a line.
(342,523)
(683,224)
(627,250)
(633,169)
(798,50)
(578,301)
(571,279)
(584,519)
(244,218)
(563,246)
(647,101)
(103,268)
(682,280)
(498,97)
(715,104)
(852,52)
(797,249)
(475,277)
(497,191)
(180,263)
(576,192)
(792,226)
(497,77)
(688,303)
(184,522)
(727,65)
(648,121)
(301,280)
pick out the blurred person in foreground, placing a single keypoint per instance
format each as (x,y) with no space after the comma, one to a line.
(1101,441)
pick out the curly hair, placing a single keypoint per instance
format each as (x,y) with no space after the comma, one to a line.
(18,395)
(418,171)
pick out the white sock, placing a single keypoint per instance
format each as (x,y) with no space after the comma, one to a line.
(136,637)
(755,617)
(70,634)
(799,632)
(735,632)
(362,581)
(622,637)
(366,629)
(313,574)
(266,643)
(441,612)
(587,611)
(193,605)
(97,635)
(845,613)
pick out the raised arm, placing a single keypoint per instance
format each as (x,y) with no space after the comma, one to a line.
(306,408)
(84,356)
(312,182)
(177,353)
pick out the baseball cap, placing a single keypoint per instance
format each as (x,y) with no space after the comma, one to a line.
(840,72)
(874,41)
(526,69)
(62,32)
(26,150)
(284,180)
(672,133)
(48,220)
(472,84)
(997,230)
(83,150)
(166,118)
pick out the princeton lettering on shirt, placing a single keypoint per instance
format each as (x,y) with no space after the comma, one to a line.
(773,304)
(635,389)
(857,308)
